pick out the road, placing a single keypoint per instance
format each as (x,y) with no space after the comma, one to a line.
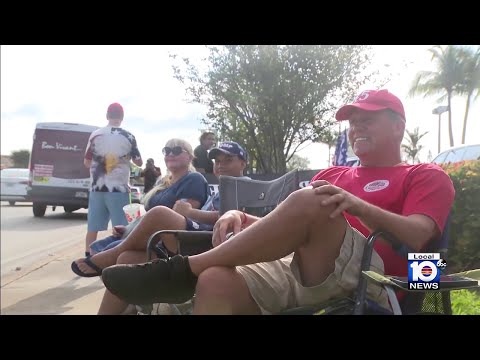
(27,241)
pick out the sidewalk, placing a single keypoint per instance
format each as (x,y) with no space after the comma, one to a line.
(51,288)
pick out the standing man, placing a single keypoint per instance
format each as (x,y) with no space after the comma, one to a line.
(202,163)
(150,175)
(108,154)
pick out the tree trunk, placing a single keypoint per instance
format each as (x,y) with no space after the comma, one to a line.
(450,132)
(467,109)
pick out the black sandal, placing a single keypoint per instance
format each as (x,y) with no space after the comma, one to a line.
(76,269)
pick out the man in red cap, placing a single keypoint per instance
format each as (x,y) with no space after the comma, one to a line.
(309,249)
(109,152)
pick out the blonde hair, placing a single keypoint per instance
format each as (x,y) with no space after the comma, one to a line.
(166,181)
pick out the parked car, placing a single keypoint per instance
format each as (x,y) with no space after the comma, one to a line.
(458,153)
(136,194)
(14,185)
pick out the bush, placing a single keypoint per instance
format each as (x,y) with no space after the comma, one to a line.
(464,248)
(465,302)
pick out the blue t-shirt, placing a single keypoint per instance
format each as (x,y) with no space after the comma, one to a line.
(191,186)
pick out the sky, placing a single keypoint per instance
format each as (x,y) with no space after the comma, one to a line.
(76,83)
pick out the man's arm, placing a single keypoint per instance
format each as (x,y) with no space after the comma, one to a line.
(204,216)
(415,229)
(87,163)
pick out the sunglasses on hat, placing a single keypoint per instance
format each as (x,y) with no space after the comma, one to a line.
(176,150)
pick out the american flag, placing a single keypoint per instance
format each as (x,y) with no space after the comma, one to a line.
(340,158)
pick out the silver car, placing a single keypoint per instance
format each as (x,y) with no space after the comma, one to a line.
(14,185)
(458,153)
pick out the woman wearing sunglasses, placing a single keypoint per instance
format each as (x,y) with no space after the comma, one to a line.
(182,182)
(230,159)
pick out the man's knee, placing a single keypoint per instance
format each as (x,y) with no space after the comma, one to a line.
(216,280)
(222,290)
(307,204)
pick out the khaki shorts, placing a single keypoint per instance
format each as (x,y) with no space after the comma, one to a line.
(276,285)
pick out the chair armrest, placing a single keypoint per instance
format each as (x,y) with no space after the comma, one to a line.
(361,291)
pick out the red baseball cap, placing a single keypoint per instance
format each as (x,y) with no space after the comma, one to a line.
(115,109)
(372,100)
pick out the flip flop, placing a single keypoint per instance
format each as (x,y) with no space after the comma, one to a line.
(76,269)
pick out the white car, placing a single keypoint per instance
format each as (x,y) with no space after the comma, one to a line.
(14,185)
(458,153)
(136,194)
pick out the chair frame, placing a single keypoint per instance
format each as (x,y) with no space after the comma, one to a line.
(268,193)
(194,242)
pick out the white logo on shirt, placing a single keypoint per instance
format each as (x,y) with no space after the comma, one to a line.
(376,185)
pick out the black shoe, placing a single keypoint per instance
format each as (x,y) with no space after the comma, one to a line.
(158,281)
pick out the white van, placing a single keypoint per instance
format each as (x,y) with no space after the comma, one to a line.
(58,176)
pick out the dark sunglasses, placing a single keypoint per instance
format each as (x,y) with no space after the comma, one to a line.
(176,150)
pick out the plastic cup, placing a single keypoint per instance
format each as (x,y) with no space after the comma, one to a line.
(132,212)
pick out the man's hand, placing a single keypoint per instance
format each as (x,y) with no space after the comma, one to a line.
(183,208)
(231,221)
(343,200)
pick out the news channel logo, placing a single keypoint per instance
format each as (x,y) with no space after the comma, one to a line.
(424,271)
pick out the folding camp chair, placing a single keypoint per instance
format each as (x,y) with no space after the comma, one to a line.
(255,197)
(413,302)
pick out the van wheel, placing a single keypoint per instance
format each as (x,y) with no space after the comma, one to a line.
(70,209)
(39,209)
(11,203)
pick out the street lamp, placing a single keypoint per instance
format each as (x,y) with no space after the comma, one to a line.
(439,110)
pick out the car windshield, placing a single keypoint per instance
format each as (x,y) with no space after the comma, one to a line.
(464,153)
(472,153)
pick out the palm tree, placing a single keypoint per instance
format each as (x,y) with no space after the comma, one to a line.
(471,84)
(412,148)
(330,139)
(445,81)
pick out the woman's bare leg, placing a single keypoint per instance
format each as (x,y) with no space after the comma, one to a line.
(112,305)
(156,219)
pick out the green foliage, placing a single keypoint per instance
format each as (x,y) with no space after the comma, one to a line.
(20,158)
(274,98)
(298,162)
(412,148)
(465,302)
(464,252)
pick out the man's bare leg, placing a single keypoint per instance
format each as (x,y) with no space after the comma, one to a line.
(229,294)
(112,305)
(301,224)
(158,218)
